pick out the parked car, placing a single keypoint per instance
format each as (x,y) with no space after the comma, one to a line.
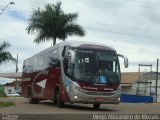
(12,94)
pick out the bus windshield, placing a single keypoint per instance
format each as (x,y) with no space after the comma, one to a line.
(96,67)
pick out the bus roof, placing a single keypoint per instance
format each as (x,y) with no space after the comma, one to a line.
(86,45)
(79,44)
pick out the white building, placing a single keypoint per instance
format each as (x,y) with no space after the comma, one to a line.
(13,87)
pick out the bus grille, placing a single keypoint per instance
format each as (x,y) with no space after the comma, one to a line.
(99,93)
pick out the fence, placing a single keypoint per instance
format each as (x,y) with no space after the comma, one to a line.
(136,99)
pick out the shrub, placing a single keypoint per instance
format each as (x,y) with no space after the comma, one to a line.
(2,94)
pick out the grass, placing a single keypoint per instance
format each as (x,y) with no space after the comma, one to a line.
(2,94)
(6,104)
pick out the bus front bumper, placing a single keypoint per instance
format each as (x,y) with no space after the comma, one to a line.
(95,97)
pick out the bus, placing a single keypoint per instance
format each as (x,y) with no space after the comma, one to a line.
(73,72)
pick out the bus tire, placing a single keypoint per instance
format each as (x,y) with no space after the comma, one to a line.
(59,101)
(96,106)
(31,99)
(55,96)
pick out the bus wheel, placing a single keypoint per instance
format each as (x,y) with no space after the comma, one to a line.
(32,100)
(59,101)
(96,106)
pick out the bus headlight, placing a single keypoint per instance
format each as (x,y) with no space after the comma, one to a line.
(75,96)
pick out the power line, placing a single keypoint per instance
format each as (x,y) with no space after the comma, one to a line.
(96,23)
(114,32)
(20,12)
(134,3)
(152,4)
(112,2)
(127,34)
(27,13)
(120,26)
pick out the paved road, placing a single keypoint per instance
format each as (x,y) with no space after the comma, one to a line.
(46,107)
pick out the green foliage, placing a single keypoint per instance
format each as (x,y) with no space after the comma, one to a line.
(53,23)
(1,88)
(5,56)
(6,104)
(2,94)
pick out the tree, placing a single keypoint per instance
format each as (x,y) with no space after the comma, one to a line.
(5,56)
(52,23)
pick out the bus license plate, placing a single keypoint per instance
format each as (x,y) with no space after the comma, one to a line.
(99,99)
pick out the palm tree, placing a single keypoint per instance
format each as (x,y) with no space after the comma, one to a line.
(52,23)
(5,56)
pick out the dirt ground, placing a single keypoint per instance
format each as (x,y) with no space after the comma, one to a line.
(47,108)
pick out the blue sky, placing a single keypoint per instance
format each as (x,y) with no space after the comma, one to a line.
(132,27)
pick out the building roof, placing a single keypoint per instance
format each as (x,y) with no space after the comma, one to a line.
(14,83)
(11,75)
(129,77)
(79,43)
(132,77)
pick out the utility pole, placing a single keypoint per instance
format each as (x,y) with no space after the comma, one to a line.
(157,79)
(17,86)
(150,79)
(17,64)
(139,79)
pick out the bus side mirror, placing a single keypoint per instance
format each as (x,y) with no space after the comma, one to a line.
(125,60)
(71,55)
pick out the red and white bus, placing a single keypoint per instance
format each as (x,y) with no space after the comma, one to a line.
(73,72)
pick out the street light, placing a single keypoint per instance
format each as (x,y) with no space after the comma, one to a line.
(12,3)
